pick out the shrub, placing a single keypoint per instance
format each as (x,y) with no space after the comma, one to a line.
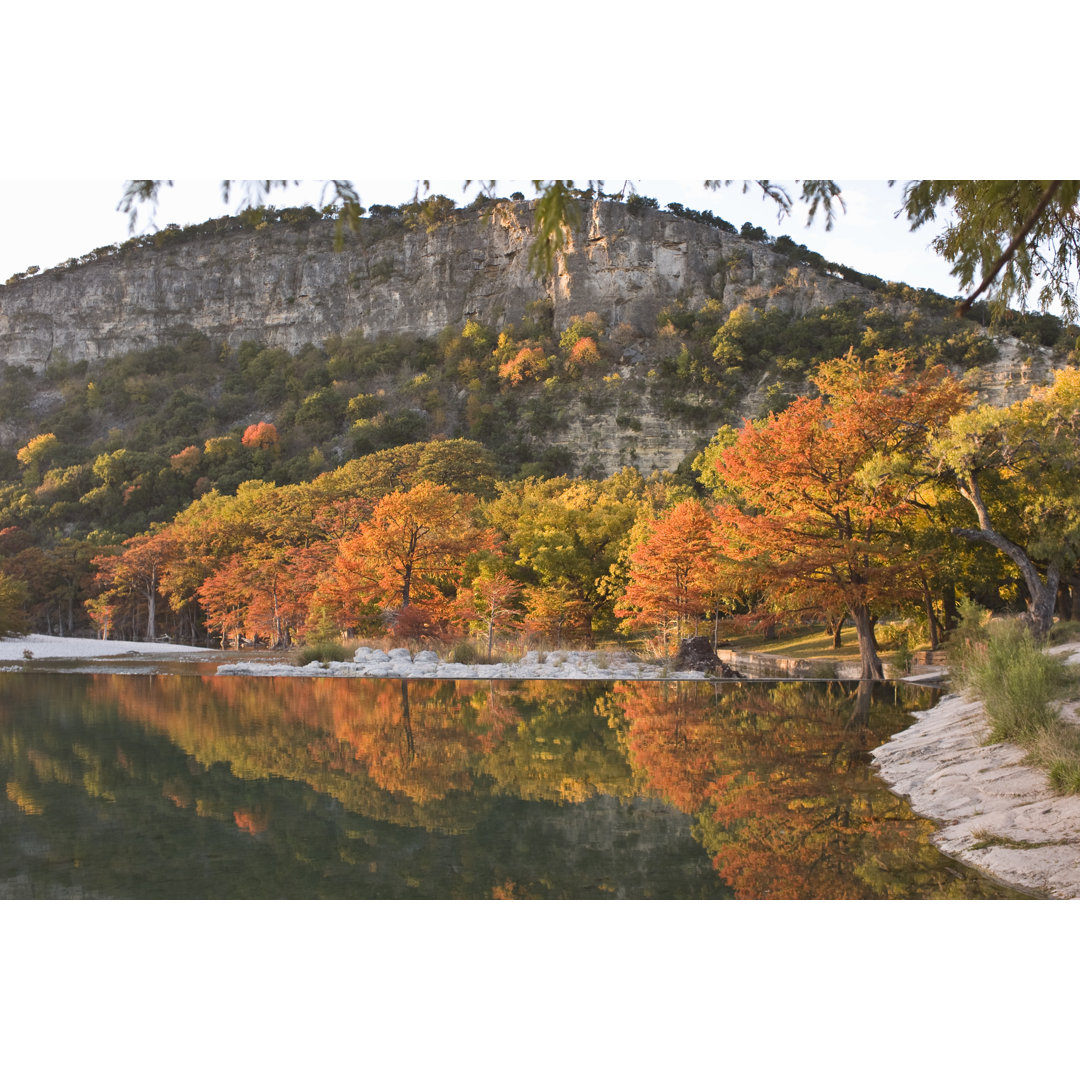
(1016,680)
(527,363)
(323,651)
(464,652)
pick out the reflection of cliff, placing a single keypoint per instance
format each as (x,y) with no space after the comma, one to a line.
(780,782)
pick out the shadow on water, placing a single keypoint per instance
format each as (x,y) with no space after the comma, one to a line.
(178,786)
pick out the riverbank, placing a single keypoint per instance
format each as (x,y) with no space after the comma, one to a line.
(997,813)
(44,647)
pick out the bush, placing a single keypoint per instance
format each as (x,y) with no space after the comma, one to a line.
(464,652)
(324,652)
(1015,679)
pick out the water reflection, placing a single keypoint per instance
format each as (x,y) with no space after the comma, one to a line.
(218,787)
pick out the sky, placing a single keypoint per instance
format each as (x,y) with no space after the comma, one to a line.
(867,236)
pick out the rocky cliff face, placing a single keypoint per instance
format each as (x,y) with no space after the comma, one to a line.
(287,286)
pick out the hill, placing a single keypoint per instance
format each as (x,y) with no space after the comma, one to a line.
(428,322)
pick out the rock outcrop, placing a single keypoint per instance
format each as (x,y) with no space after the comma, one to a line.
(287,286)
(697,654)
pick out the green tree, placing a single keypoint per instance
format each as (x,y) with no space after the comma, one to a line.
(1018,466)
(13,598)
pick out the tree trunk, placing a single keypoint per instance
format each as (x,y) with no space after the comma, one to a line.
(931,618)
(1062,600)
(837,630)
(868,654)
(1041,593)
(860,714)
(948,606)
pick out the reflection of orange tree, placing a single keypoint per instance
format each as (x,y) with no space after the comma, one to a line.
(325,733)
(672,739)
(420,739)
(781,786)
(348,738)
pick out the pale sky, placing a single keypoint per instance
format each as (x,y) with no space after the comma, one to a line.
(44,222)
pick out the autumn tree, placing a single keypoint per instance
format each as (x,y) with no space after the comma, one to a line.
(494,596)
(35,453)
(554,613)
(260,436)
(568,536)
(132,578)
(414,548)
(819,506)
(13,596)
(529,362)
(674,571)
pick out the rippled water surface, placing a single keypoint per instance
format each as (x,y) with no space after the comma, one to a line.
(187,785)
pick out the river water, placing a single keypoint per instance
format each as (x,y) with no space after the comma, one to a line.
(181,784)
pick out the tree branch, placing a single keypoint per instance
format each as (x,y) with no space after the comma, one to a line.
(963,308)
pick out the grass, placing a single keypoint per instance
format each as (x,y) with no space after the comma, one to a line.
(986,839)
(1020,685)
(806,644)
(800,644)
(324,652)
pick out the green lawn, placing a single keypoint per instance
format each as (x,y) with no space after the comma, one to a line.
(802,644)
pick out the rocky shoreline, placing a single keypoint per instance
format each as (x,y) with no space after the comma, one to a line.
(997,813)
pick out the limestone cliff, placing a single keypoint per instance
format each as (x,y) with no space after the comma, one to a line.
(288,286)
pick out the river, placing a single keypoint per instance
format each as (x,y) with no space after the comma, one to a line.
(181,784)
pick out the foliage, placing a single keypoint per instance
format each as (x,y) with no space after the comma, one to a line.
(567,536)
(413,548)
(1018,466)
(820,498)
(1005,232)
(13,599)
(676,571)
(260,436)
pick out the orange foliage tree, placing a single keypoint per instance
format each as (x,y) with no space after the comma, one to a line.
(675,572)
(529,362)
(584,354)
(413,549)
(818,499)
(260,436)
(129,583)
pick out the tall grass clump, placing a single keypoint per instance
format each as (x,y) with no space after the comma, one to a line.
(324,652)
(1001,663)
